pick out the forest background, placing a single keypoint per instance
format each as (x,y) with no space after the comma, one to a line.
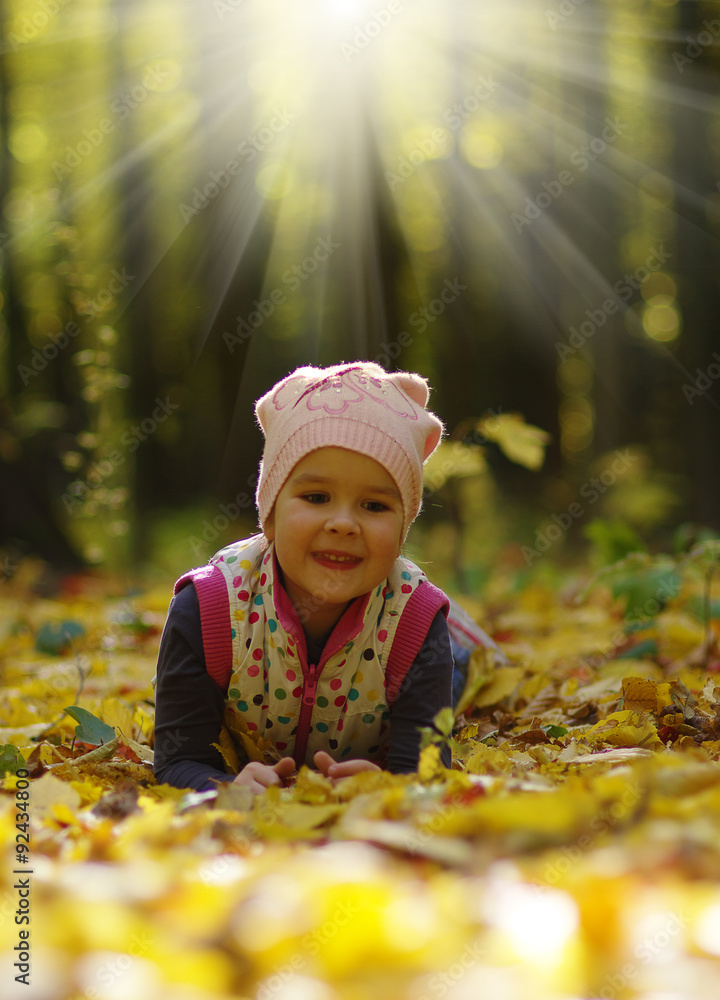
(197,197)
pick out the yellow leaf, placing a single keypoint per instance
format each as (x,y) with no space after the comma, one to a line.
(504,682)
(313,787)
(624,729)
(429,765)
(522,443)
(250,744)
(300,817)
(62,814)
(116,714)
(452,459)
(89,791)
(49,791)
(639,694)
(480,672)
(679,633)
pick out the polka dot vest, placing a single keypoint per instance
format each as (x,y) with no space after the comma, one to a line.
(346,708)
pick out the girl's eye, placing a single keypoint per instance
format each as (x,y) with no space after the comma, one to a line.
(375,506)
(314,497)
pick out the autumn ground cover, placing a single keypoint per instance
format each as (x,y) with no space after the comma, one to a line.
(573,851)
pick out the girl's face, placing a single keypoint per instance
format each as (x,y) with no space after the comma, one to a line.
(337,525)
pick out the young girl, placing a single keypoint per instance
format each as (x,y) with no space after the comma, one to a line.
(315,634)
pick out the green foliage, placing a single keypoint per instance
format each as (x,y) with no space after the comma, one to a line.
(55,638)
(554,732)
(646,582)
(647,648)
(440,733)
(11,760)
(90,730)
(611,540)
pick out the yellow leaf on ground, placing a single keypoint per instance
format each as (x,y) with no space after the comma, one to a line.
(639,694)
(626,729)
(504,682)
(49,791)
(116,713)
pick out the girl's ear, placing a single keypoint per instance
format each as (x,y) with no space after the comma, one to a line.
(269,526)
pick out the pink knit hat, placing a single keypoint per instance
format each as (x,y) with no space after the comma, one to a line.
(358,406)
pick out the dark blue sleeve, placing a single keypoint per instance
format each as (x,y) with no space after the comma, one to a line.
(426,689)
(189,704)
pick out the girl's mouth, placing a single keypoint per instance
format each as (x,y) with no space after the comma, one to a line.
(336,560)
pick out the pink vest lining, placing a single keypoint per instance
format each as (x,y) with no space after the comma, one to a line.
(214,620)
(347,627)
(211,588)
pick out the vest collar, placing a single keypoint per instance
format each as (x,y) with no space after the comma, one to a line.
(346,628)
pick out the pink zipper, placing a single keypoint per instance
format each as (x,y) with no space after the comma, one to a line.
(308,702)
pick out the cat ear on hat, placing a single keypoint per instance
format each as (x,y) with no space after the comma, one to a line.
(415,386)
(432,441)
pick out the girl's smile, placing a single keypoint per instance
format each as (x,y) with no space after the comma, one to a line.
(337,525)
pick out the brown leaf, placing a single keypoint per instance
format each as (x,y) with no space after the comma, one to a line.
(121,802)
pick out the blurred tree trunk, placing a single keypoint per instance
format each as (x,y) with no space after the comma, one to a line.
(698,264)
(30,473)
(134,196)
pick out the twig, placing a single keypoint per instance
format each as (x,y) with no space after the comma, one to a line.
(83,675)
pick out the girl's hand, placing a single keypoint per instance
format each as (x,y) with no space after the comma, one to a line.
(257,777)
(331,769)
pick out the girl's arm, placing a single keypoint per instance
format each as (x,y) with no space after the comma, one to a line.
(426,689)
(189,704)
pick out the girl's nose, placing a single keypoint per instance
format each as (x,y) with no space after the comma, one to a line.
(341,520)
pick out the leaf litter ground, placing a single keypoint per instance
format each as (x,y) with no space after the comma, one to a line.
(573,851)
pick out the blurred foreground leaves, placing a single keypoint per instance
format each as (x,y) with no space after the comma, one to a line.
(573,850)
